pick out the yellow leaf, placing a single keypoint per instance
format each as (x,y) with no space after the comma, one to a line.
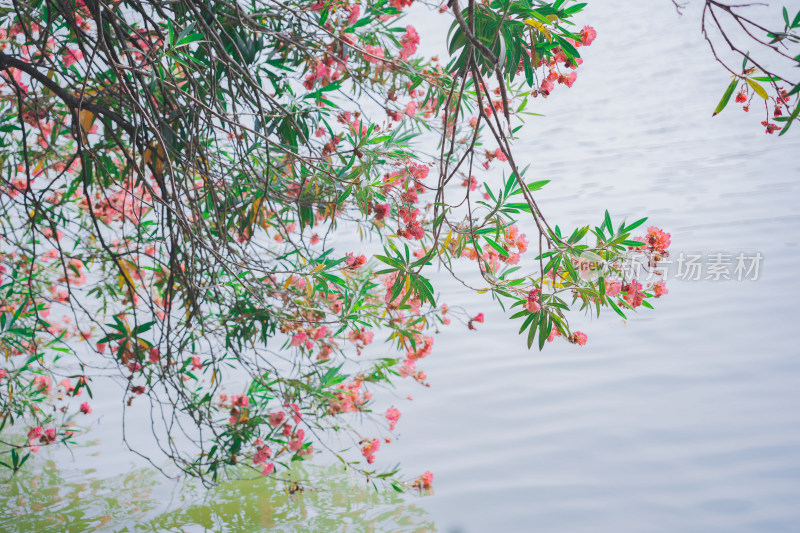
(540,27)
(124,274)
(86,119)
(760,91)
(155,158)
(447,240)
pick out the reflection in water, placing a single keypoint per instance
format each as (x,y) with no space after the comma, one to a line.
(43,500)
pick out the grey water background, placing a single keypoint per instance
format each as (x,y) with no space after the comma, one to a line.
(685,418)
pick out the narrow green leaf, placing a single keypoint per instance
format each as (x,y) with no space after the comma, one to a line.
(497,247)
(726,97)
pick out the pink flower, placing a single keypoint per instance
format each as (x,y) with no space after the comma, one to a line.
(297,442)
(262,454)
(320,71)
(353,262)
(478,318)
(365,337)
(532,303)
(411,108)
(268,469)
(380,210)
(657,240)
(633,294)
(294,409)
(660,288)
(352,18)
(613,288)
(68,386)
(374,54)
(426,479)
(86,408)
(499,154)
(392,415)
(320,333)
(771,128)
(369,449)
(276,419)
(35,433)
(41,384)
(409,42)
(196,364)
(3,373)
(298,339)
(741,97)
(588,35)
(153,356)
(71,57)
(578,338)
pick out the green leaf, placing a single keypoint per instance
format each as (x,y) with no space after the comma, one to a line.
(497,247)
(792,118)
(189,39)
(544,331)
(726,97)
(627,229)
(532,333)
(616,308)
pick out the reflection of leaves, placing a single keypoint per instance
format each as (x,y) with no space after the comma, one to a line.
(44,501)
(265,504)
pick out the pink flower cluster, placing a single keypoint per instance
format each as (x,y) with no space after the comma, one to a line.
(360,338)
(588,35)
(355,262)
(532,302)
(349,399)
(392,415)
(409,42)
(128,203)
(238,409)
(656,241)
(368,450)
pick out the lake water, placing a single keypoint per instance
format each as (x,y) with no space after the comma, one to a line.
(686,418)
